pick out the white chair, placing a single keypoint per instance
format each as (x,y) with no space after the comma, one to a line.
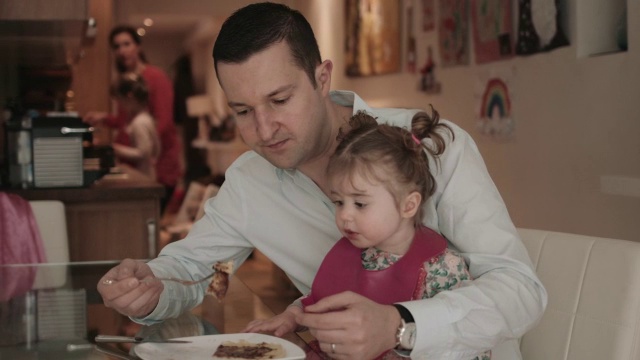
(594,297)
(52,223)
(54,320)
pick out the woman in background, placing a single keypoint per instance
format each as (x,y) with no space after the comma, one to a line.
(126,46)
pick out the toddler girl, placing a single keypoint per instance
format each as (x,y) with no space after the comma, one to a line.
(380,176)
(144,145)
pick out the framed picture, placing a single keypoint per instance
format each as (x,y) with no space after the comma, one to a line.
(454,32)
(372,37)
(492,30)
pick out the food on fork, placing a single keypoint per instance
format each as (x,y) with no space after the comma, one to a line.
(244,349)
(220,280)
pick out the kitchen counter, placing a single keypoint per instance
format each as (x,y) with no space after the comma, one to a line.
(123,185)
(115,218)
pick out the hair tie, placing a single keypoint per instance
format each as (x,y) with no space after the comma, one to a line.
(416,139)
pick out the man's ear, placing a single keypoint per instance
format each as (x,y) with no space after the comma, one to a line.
(323,76)
(411,204)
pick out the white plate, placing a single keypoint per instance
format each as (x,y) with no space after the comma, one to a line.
(203,347)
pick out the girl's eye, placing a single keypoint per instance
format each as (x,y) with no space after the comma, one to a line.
(359,204)
(338,203)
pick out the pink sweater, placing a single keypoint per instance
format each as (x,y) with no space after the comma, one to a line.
(20,243)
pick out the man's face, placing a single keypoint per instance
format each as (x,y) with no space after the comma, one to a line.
(126,51)
(278,112)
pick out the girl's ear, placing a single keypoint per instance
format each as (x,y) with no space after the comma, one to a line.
(410,205)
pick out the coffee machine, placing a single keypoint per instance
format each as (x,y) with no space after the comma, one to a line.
(49,152)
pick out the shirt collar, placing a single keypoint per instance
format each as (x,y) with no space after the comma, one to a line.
(280,173)
(349,98)
(375,259)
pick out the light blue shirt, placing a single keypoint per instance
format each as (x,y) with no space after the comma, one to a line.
(285,215)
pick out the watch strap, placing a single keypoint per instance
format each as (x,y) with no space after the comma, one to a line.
(404,313)
(405,318)
(402,353)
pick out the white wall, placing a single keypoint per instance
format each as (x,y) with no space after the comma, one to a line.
(577,121)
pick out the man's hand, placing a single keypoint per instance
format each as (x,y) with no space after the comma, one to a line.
(359,327)
(130,288)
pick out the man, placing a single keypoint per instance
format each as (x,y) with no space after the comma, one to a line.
(275,199)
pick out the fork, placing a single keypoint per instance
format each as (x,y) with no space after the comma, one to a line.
(182,281)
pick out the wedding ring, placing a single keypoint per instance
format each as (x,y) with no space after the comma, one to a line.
(333,348)
(107,281)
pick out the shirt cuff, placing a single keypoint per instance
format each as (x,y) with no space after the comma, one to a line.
(433,319)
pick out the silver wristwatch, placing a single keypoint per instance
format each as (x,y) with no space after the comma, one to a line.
(406,333)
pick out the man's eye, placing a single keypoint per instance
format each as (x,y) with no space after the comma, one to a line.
(280,101)
(242,112)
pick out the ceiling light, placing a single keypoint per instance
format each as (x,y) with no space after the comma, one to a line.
(141,31)
(148,22)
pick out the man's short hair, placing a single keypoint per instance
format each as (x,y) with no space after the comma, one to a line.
(255,27)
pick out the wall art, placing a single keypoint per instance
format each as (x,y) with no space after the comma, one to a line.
(492,30)
(411,56)
(372,37)
(453,32)
(539,27)
(428,81)
(428,15)
(495,105)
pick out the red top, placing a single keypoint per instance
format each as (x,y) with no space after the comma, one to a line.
(168,167)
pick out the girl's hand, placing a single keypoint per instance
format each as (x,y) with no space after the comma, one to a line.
(279,325)
(94,118)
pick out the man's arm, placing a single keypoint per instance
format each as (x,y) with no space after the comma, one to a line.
(506,298)
(211,239)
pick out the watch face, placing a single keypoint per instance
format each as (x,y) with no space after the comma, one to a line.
(408,340)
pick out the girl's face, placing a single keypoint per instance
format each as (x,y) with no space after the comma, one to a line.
(126,51)
(128,104)
(369,216)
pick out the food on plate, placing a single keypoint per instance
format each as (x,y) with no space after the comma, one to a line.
(220,280)
(244,349)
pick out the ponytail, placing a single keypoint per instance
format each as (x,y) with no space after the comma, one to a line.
(424,126)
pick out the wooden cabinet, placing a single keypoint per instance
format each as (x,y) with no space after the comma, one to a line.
(115,218)
(112,230)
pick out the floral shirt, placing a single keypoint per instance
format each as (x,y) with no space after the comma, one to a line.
(445,272)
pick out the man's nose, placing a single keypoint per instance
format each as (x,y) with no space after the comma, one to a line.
(265,125)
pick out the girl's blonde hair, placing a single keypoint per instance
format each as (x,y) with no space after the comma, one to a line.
(391,155)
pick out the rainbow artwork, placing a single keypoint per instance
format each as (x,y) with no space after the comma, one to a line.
(495,117)
(495,97)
